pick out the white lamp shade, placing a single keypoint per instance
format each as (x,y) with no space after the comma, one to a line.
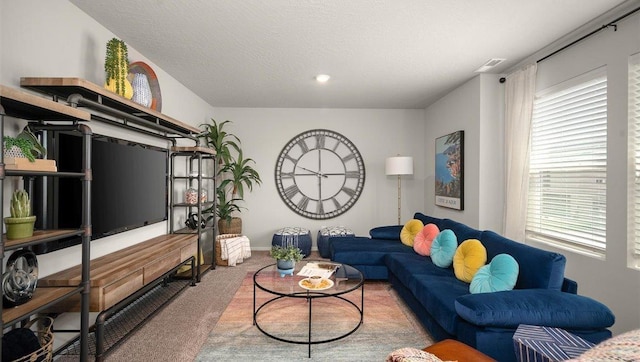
(399,165)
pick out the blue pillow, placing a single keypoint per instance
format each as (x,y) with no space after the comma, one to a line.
(391,232)
(444,248)
(499,275)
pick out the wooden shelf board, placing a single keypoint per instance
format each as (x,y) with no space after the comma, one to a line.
(41,297)
(38,237)
(64,87)
(27,106)
(200,149)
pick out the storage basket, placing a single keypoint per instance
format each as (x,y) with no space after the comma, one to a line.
(45,336)
(219,260)
(233,227)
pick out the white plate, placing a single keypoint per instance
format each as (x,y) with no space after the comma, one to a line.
(329,285)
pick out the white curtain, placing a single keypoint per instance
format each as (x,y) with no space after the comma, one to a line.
(519,96)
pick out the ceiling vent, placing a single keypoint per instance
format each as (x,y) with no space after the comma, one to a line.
(489,65)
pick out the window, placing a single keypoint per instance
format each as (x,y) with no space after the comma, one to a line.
(634,140)
(568,165)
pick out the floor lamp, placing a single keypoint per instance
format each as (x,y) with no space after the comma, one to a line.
(398,166)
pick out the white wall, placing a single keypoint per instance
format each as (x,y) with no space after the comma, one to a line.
(377,133)
(474,108)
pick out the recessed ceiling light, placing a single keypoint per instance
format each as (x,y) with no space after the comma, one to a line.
(322,78)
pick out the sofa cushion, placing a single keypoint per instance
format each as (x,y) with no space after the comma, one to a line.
(411,267)
(462,231)
(543,307)
(539,269)
(357,250)
(391,232)
(409,231)
(469,257)
(438,296)
(497,276)
(424,239)
(443,248)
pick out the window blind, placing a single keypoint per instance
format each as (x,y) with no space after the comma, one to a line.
(568,165)
(634,123)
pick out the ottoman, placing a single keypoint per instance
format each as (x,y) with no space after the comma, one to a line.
(328,232)
(297,236)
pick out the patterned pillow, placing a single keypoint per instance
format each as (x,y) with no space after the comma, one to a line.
(410,354)
(470,256)
(410,230)
(424,239)
(443,248)
(499,275)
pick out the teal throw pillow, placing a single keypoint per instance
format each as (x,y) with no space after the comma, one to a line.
(444,248)
(499,275)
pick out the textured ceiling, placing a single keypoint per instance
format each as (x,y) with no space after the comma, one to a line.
(379,53)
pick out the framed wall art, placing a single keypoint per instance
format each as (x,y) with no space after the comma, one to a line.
(449,179)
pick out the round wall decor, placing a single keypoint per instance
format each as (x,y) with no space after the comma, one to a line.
(319,174)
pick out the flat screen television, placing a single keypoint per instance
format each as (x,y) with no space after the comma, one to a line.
(129,188)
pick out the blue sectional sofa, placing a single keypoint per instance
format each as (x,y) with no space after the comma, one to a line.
(485,321)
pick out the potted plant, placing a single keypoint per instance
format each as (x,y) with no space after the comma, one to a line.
(286,257)
(236,174)
(116,67)
(227,224)
(24,145)
(20,223)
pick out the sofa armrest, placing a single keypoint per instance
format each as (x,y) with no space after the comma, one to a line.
(391,232)
(569,286)
(543,307)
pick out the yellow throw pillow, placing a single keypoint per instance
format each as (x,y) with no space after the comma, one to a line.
(409,231)
(470,256)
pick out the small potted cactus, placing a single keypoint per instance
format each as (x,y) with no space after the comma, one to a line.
(20,223)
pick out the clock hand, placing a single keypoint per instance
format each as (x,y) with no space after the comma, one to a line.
(313,172)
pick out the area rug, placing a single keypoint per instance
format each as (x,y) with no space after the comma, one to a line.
(387,325)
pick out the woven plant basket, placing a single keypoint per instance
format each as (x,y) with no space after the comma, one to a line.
(218,247)
(45,336)
(233,227)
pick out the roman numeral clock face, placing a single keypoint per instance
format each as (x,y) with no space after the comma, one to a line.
(319,174)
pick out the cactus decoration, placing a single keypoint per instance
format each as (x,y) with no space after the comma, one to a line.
(20,205)
(116,67)
(20,224)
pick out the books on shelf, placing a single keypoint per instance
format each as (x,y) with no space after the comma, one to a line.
(324,269)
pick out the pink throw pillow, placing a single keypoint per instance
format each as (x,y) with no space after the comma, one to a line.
(422,242)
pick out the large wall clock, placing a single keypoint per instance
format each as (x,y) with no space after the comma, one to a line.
(320,174)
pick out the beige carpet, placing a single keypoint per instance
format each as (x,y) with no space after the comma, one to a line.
(386,327)
(179,331)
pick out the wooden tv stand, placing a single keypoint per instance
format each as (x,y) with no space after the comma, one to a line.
(117,275)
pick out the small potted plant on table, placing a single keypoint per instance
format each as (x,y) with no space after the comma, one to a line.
(20,224)
(286,258)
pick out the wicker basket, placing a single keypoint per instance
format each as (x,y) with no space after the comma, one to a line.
(233,227)
(218,253)
(45,336)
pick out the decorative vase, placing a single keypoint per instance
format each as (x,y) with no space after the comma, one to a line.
(285,267)
(141,90)
(19,227)
(127,92)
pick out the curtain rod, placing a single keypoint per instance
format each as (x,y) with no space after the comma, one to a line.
(606,26)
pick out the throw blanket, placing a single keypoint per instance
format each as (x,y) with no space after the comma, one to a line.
(235,250)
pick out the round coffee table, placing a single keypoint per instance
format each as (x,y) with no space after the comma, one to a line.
(288,289)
